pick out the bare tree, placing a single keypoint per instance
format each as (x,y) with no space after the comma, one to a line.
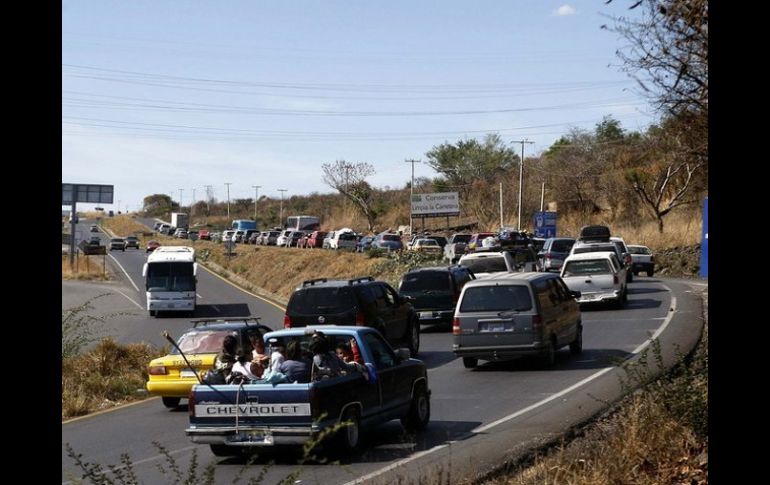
(349,179)
(668,53)
(669,170)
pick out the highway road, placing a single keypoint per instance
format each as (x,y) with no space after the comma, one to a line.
(478,417)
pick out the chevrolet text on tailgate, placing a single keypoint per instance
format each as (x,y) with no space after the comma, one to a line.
(233,418)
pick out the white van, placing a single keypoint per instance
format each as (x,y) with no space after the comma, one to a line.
(344,238)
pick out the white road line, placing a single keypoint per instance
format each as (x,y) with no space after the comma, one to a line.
(481,429)
(125,272)
(394,465)
(129,299)
(153,458)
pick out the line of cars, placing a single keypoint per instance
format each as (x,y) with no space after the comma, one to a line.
(505,315)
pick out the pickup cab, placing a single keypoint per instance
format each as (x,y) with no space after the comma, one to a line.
(255,416)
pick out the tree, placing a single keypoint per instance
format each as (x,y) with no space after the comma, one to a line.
(668,53)
(470,160)
(157,204)
(349,179)
(667,178)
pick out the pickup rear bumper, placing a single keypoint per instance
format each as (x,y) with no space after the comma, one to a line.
(250,435)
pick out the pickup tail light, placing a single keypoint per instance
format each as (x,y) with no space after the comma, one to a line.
(615,279)
(537,322)
(456,326)
(191,404)
(158,370)
(286,321)
(547,255)
(360,319)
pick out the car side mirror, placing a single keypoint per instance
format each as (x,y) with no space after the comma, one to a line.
(403,354)
(575,294)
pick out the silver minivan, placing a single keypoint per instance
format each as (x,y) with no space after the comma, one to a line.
(508,315)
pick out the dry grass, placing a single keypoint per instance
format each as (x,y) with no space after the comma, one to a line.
(123,226)
(679,229)
(89,267)
(108,375)
(281,270)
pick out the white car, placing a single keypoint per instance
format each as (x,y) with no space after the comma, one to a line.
(598,276)
(641,259)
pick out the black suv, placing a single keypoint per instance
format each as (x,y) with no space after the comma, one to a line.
(359,301)
(435,291)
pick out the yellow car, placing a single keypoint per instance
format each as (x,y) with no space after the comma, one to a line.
(172,379)
(428,246)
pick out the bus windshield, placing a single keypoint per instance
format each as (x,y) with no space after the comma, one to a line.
(170,277)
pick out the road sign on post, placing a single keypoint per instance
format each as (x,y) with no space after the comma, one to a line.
(544,223)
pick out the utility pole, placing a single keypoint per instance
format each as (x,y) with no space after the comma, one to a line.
(280,217)
(411,193)
(228,200)
(180,199)
(542,196)
(256,194)
(208,196)
(501,206)
(521,178)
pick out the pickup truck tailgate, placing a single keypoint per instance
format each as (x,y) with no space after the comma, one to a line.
(262,404)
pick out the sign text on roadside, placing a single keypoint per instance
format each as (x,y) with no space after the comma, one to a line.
(437,204)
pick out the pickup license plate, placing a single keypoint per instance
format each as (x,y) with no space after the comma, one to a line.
(426,315)
(187,373)
(253,437)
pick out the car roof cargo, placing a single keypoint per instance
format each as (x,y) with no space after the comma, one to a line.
(595,233)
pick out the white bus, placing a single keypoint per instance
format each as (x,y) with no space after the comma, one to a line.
(302,223)
(170,279)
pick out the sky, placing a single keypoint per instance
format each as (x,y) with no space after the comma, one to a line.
(159,96)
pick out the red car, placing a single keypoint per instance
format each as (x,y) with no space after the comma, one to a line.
(204,234)
(316,240)
(152,245)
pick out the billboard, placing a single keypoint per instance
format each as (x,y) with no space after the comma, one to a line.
(437,204)
(544,223)
(96,194)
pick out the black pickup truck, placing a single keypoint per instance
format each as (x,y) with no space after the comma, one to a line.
(232,418)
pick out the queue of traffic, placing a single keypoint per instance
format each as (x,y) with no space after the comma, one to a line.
(501,302)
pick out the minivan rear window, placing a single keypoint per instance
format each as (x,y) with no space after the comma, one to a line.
(562,246)
(496,298)
(425,281)
(322,300)
(391,237)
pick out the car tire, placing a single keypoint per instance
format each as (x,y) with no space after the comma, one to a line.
(349,435)
(629,277)
(414,337)
(576,346)
(470,362)
(419,411)
(225,451)
(171,402)
(549,357)
(636,272)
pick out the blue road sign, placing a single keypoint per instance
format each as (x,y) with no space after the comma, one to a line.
(545,224)
(704,242)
